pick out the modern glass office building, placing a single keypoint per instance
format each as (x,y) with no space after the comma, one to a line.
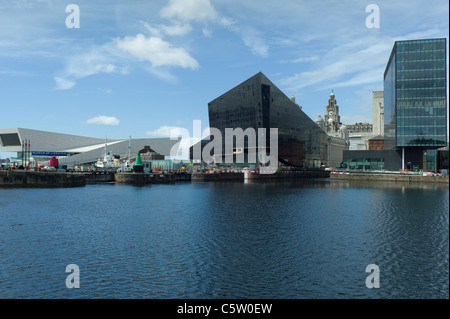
(258,103)
(415,99)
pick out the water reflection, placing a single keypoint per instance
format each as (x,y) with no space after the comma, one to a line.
(326,182)
(309,238)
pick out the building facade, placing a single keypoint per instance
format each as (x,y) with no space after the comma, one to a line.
(378,113)
(258,103)
(72,150)
(415,100)
(415,110)
(332,117)
(356,135)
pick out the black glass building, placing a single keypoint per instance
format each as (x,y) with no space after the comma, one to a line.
(415,99)
(258,103)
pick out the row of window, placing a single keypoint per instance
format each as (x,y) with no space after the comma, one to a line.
(422,133)
(437,142)
(419,99)
(420,45)
(426,64)
(421,56)
(421,84)
(437,77)
(364,164)
(421,93)
(421,74)
(402,123)
(419,103)
(420,112)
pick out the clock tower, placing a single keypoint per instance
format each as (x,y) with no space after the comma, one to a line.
(332,118)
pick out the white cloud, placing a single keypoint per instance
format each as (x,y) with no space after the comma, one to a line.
(302,60)
(187,10)
(152,30)
(366,77)
(207,33)
(166,131)
(184,12)
(349,64)
(114,57)
(97,60)
(103,120)
(163,74)
(176,29)
(157,51)
(64,84)
(106,68)
(256,43)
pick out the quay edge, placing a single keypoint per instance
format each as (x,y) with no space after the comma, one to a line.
(41,179)
(409,178)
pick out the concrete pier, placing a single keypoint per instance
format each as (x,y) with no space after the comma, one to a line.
(241,176)
(288,175)
(99,177)
(131,178)
(19,178)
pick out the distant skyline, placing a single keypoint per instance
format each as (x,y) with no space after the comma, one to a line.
(142,68)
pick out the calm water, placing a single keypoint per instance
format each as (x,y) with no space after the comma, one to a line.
(309,239)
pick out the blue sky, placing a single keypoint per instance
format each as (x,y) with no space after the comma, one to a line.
(140,68)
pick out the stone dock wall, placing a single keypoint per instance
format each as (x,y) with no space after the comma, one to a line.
(99,177)
(288,175)
(216,177)
(409,178)
(143,178)
(41,179)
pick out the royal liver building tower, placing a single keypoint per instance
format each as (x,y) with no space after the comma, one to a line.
(332,118)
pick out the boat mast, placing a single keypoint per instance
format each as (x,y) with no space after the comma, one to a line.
(129,148)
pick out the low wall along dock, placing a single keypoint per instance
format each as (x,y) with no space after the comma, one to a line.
(20,178)
(99,177)
(215,177)
(144,178)
(409,178)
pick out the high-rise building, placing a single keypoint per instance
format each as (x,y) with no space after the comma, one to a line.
(415,100)
(378,113)
(415,110)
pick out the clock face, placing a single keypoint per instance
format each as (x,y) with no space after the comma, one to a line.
(330,113)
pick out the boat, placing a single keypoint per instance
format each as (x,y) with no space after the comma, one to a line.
(106,161)
(126,165)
